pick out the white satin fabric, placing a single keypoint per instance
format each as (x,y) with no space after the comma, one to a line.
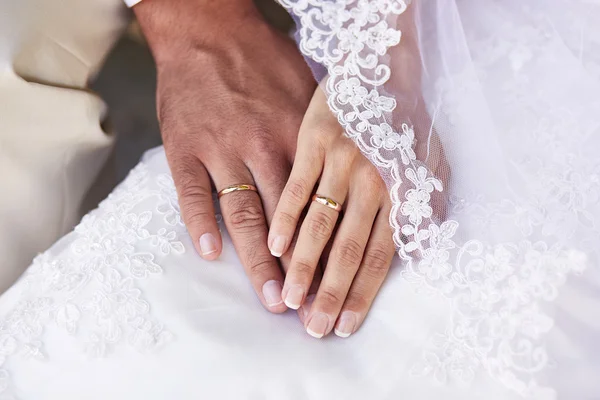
(502,302)
(124,308)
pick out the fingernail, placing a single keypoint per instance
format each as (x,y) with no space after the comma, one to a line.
(272,292)
(278,246)
(208,244)
(318,325)
(294,296)
(346,324)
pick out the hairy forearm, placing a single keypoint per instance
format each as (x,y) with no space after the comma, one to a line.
(175,27)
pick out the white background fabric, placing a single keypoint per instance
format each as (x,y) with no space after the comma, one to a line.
(500,304)
(204,334)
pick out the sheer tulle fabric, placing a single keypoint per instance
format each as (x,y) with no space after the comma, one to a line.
(482,117)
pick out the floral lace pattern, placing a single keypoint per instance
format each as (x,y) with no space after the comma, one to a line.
(498,323)
(494,290)
(95,284)
(350,38)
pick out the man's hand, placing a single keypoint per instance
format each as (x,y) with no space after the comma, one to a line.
(232,93)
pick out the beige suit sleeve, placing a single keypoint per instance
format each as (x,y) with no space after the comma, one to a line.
(52,145)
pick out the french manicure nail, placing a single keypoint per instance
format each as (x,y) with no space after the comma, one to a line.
(278,246)
(346,325)
(272,292)
(208,244)
(318,325)
(294,296)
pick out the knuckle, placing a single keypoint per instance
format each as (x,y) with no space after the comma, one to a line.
(321,142)
(330,296)
(185,170)
(320,226)
(271,169)
(260,140)
(377,262)
(303,268)
(196,216)
(260,267)
(349,251)
(297,192)
(341,156)
(356,301)
(192,193)
(246,217)
(286,219)
(327,127)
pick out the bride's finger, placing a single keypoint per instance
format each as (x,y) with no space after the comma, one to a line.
(369,277)
(294,198)
(319,128)
(346,255)
(317,227)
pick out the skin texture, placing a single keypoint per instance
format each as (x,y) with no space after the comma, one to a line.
(349,254)
(232,92)
(358,251)
(233,104)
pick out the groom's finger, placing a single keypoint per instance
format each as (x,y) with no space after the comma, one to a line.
(245,220)
(196,202)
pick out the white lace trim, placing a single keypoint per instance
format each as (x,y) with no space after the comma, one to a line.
(106,256)
(496,324)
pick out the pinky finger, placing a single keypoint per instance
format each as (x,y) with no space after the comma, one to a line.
(369,278)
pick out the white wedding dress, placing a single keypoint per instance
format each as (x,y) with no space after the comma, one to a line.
(499,299)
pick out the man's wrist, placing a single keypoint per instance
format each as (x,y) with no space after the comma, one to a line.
(174,27)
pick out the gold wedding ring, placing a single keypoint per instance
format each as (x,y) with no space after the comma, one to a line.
(326,201)
(235,188)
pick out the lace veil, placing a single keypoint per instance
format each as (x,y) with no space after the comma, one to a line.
(482,118)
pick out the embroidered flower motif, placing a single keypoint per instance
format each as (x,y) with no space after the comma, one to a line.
(67,317)
(435,264)
(380,37)
(334,15)
(166,242)
(350,92)
(416,207)
(169,204)
(406,145)
(384,136)
(422,180)
(486,283)
(376,105)
(352,39)
(90,289)
(148,335)
(365,12)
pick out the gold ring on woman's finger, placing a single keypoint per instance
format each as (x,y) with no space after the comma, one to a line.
(328,202)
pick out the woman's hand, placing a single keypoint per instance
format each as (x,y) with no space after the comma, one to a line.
(362,248)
